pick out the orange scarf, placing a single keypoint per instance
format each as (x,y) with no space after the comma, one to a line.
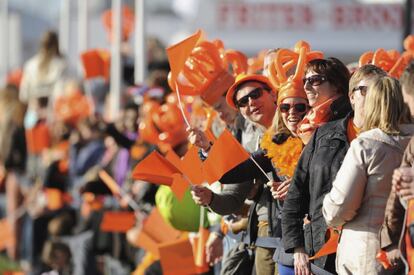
(314,119)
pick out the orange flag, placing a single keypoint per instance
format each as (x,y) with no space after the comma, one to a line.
(177,258)
(330,246)
(178,53)
(180,185)
(154,232)
(155,169)
(110,182)
(117,221)
(225,154)
(6,234)
(192,166)
(96,62)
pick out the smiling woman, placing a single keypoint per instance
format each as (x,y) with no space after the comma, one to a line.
(326,87)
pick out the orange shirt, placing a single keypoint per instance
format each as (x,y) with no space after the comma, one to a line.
(352,130)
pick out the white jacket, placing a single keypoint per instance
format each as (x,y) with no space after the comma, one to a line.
(35,85)
(359,195)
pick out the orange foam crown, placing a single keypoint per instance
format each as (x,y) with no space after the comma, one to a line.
(206,71)
(285,61)
(390,61)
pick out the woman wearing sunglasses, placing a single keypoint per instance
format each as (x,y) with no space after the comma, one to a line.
(359,193)
(320,161)
(279,153)
(326,87)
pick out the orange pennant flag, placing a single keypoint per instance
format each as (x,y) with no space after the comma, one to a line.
(225,154)
(178,53)
(117,221)
(192,166)
(330,246)
(177,258)
(175,160)
(110,182)
(155,169)
(199,250)
(6,234)
(154,232)
(179,186)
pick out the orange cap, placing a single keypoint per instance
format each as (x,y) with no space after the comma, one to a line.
(242,78)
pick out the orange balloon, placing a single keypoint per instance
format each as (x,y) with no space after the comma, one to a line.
(236,60)
(390,61)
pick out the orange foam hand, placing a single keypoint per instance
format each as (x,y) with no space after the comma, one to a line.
(225,154)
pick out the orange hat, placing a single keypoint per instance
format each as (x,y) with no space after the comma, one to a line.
(285,60)
(390,61)
(242,78)
(205,71)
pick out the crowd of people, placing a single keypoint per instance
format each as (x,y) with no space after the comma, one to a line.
(328,187)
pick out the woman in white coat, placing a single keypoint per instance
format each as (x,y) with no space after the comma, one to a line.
(359,193)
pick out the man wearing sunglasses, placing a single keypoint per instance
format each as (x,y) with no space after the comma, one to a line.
(254,98)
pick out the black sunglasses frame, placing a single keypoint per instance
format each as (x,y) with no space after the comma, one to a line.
(315,80)
(254,94)
(295,106)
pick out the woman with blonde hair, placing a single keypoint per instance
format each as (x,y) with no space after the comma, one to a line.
(360,190)
(43,72)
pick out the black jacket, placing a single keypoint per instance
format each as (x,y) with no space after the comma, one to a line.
(246,172)
(317,167)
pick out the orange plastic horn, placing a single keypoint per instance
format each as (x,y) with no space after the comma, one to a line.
(285,61)
(236,60)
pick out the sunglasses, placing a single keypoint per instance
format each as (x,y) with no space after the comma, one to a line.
(298,107)
(254,94)
(362,89)
(315,80)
